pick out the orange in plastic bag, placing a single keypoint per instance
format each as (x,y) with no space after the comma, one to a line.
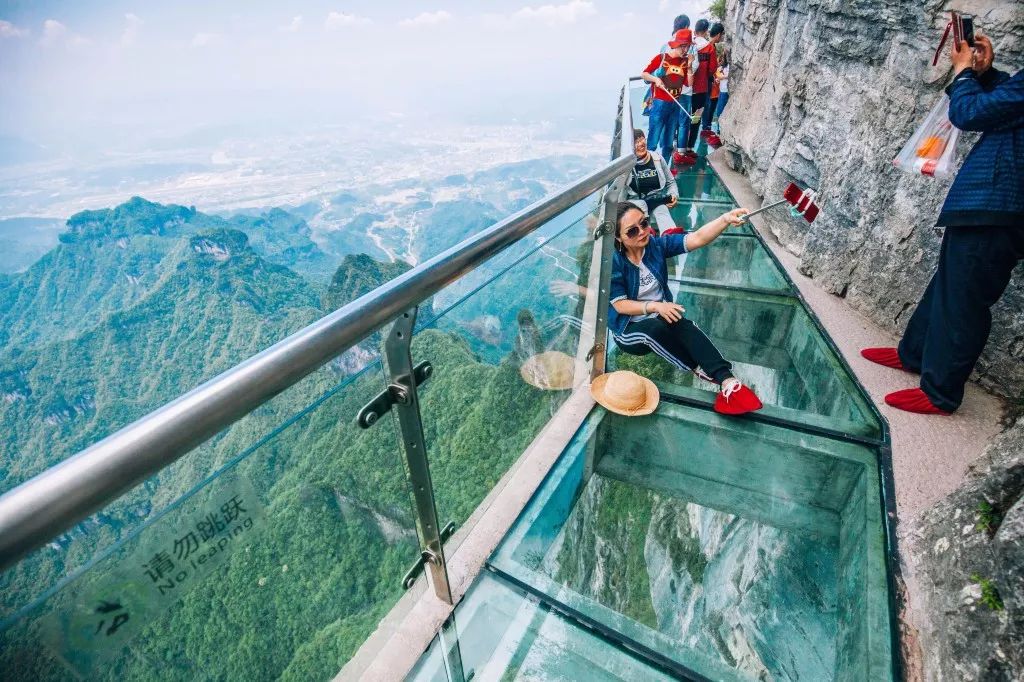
(931,148)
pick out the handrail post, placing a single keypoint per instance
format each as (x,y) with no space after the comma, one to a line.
(402,384)
(606,229)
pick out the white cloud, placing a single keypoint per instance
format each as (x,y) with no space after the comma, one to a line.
(339,20)
(293,26)
(131,30)
(569,13)
(9,30)
(53,31)
(664,5)
(205,39)
(427,19)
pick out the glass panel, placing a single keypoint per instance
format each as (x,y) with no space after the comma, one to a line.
(278,565)
(776,349)
(739,550)
(502,634)
(729,261)
(505,360)
(704,187)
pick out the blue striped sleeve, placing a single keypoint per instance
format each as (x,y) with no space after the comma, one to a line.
(1001,108)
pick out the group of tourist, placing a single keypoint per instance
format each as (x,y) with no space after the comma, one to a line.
(686,79)
(983,219)
(689,89)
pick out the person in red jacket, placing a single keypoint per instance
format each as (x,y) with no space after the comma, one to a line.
(703,69)
(667,88)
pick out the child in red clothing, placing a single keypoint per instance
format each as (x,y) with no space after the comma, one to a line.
(665,113)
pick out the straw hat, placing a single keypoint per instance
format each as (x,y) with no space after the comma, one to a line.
(549,371)
(625,393)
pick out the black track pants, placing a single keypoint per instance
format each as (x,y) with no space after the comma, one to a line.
(948,331)
(682,343)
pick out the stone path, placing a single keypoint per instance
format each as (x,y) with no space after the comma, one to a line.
(930,453)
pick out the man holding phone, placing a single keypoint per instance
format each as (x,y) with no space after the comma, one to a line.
(983,217)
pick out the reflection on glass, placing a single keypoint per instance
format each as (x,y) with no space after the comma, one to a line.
(774,348)
(737,549)
(734,262)
(501,634)
(505,359)
(279,565)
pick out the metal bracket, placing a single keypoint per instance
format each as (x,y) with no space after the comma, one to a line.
(596,348)
(607,227)
(426,557)
(395,394)
(401,394)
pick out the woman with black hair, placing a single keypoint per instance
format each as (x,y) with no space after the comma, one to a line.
(651,186)
(642,316)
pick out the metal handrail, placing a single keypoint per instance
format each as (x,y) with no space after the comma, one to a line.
(65,494)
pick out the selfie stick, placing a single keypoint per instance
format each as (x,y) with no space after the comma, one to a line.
(677,102)
(765,208)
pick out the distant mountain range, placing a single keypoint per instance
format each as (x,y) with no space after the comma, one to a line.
(139,303)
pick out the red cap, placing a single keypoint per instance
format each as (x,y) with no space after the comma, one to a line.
(684,36)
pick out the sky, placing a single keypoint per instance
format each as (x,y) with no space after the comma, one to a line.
(124,73)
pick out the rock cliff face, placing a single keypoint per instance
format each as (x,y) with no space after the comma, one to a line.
(825,93)
(965,561)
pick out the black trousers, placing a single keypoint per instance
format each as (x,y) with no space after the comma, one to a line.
(697,101)
(682,343)
(948,331)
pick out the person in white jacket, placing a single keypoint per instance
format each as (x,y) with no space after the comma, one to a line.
(651,186)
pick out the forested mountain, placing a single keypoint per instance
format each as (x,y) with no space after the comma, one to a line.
(140,303)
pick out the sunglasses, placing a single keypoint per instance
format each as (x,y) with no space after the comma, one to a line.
(634,231)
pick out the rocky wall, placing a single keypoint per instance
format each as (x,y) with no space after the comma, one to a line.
(964,566)
(825,93)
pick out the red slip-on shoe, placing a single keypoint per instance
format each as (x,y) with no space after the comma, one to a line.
(737,399)
(678,156)
(713,140)
(913,400)
(887,357)
(688,159)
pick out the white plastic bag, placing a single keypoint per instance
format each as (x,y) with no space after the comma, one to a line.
(930,149)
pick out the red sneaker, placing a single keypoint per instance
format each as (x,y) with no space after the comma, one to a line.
(678,156)
(913,400)
(737,399)
(887,357)
(713,140)
(689,158)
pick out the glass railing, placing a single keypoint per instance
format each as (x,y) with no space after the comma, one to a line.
(273,550)
(703,546)
(506,356)
(277,565)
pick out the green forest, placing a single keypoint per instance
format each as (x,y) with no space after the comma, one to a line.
(140,303)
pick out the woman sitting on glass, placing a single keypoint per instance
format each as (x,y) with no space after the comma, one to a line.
(642,315)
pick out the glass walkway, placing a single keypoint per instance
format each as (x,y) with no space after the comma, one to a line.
(680,545)
(691,545)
